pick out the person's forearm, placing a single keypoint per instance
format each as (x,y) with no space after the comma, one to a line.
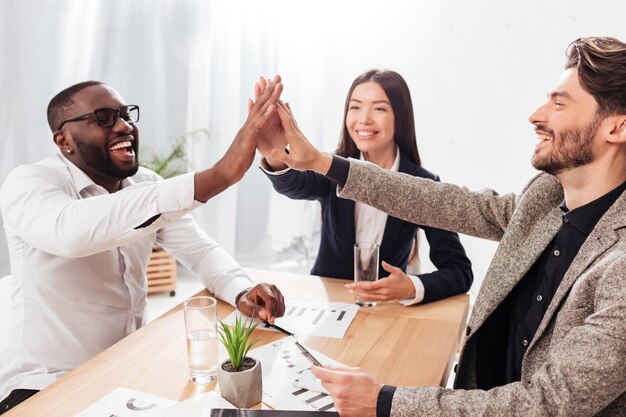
(45,215)
(239,156)
(210,182)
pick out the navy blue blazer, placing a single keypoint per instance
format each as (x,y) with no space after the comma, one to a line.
(336,254)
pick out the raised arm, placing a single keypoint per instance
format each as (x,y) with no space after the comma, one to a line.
(239,156)
(417,200)
(38,207)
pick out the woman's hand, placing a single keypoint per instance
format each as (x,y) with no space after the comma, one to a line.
(239,156)
(397,286)
(300,154)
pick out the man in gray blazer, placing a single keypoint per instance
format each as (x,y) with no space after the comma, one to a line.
(547,335)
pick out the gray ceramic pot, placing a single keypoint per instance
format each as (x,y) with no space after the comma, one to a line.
(242,389)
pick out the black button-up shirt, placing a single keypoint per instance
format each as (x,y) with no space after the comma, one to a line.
(532,295)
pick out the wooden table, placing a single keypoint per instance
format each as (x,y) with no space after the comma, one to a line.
(400,345)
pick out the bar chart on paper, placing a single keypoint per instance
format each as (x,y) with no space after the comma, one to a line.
(306,317)
(283,364)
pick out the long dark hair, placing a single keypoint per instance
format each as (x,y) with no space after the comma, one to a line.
(404,126)
(400,99)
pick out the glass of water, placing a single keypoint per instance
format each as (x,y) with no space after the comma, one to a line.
(365,266)
(201,329)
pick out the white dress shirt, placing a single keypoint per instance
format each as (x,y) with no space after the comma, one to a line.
(370,226)
(79,265)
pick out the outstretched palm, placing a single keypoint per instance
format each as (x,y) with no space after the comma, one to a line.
(272,134)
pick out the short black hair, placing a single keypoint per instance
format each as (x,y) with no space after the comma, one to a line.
(62,102)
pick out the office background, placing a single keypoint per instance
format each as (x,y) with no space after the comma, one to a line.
(476,71)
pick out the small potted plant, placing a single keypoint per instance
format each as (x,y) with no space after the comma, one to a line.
(239,377)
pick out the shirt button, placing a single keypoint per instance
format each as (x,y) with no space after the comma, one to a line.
(556,252)
(539,298)
(525,342)
(565,220)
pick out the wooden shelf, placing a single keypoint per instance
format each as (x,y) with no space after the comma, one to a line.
(161,272)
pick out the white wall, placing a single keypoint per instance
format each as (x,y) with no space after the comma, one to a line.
(476,70)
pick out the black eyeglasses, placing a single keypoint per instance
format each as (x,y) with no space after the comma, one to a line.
(107,117)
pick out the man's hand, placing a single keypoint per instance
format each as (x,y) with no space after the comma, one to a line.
(241,153)
(396,286)
(354,391)
(301,155)
(239,156)
(264,301)
(272,134)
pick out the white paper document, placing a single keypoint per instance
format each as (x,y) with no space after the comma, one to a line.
(282,364)
(306,317)
(123,402)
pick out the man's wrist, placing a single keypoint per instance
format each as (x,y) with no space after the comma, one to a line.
(241,295)
(209,183)
(384,400)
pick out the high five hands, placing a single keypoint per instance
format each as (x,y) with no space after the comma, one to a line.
(282,142)
(272,135)
(241,153)
(239,156)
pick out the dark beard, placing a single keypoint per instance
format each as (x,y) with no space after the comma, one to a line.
(99,160)
(571,149)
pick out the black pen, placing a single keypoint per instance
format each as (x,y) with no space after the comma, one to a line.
(280,329)
(308,355)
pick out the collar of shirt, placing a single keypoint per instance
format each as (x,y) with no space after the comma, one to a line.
(585,218)
(82,180)
(396,162)
(369,222)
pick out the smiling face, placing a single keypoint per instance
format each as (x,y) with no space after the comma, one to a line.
(566,127)
(370,119)
(106,155)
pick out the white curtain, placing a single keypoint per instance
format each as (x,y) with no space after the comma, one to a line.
(157,54)
(476,70)
(188,64)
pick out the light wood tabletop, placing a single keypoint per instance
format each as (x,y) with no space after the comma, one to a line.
(400,345)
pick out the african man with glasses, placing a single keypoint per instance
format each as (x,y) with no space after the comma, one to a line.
(80,227)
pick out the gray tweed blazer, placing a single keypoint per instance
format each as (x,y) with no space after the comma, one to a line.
(576,363)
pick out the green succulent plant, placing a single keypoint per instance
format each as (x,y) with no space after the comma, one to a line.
(236,340)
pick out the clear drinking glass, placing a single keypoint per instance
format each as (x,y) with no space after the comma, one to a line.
(201,330)
(365,266)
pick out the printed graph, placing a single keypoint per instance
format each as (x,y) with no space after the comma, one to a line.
(305,317)
(283,363)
